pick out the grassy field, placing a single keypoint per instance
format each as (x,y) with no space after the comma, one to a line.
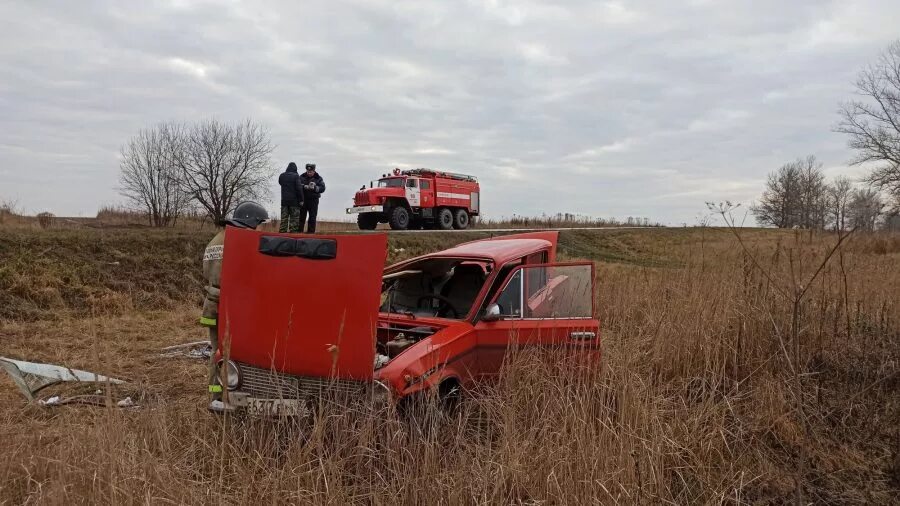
(717,384)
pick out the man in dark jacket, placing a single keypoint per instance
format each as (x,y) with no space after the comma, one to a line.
(291,200)
(313,186)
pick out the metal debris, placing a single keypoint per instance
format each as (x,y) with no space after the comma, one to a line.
(196,349)
(31,377)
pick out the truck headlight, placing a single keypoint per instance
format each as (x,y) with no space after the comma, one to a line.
(232,374)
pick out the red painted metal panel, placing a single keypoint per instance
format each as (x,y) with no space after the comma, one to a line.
(301,316)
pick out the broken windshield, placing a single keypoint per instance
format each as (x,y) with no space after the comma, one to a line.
(442,287)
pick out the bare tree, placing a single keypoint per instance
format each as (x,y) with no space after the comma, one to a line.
(873,121)
(838,201)
(795,196)
(864,209)
(221,164)
(149,177)
(813,194)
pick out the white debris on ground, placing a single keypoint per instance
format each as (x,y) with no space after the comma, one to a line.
(52,401)
(195,350)
(126,403)
(32,377)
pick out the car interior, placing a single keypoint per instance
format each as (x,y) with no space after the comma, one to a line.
(442,287)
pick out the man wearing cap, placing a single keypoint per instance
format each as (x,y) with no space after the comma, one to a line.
(245,215)
(313,186)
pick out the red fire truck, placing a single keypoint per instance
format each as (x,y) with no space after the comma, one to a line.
(418,198)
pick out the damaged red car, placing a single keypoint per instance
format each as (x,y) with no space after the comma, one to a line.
(300,315)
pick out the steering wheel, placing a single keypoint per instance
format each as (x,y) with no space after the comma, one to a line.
(445,303)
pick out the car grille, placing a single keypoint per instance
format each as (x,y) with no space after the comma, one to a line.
(267,384)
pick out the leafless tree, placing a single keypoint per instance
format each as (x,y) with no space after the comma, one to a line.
(795,196)
(221,164)
(873,121)
(892,222)
(864,209)
(149,177)
(838,200)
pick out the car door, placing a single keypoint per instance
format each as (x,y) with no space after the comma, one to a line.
(546,305)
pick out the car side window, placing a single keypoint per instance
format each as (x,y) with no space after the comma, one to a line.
(536,277)
(549,292)
(411,183)
(510,299)
(425,185)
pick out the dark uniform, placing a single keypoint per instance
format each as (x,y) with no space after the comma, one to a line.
(246,215)
(313,186)
(291,200)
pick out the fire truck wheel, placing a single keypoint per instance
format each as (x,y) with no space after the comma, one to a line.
(445,219)
(461,219)
(367,221)
(399,218)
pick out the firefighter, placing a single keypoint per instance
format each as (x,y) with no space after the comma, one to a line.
(313,186)
(291,200)
(246,215)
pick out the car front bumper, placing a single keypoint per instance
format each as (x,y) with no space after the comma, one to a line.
(263,392)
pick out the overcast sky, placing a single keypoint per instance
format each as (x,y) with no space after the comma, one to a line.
(603,108)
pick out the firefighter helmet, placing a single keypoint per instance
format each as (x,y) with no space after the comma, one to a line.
(248,215)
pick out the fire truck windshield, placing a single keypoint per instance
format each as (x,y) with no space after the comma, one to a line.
(391,182)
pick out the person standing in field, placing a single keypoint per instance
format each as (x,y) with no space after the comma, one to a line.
(291,200)
(313,187)
(246,215)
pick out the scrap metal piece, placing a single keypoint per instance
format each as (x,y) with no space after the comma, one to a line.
(31,377)
(196,349)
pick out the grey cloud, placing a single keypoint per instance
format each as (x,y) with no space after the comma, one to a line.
(605,108)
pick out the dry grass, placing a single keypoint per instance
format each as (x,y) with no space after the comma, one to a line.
(696,402)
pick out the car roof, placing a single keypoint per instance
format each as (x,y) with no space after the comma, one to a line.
(498,250)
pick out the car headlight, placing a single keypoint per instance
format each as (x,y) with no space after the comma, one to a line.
(232,374)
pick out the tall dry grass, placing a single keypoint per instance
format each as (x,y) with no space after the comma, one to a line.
(697,402)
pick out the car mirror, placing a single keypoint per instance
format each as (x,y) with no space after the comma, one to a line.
(492,313)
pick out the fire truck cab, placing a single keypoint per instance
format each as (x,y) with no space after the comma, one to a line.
(418,198)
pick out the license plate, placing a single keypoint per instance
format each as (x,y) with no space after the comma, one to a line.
(277,407)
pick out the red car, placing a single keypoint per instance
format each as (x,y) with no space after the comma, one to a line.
(302,314)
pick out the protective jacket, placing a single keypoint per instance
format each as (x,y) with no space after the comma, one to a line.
(312,193)
(291,188)
(212,271)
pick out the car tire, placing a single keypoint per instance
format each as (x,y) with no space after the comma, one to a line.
(461,219)
(367,221)
(399,219)
(445,219)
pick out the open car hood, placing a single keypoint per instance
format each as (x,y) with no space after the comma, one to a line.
(302,305)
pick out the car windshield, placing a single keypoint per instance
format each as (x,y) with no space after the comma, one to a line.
(391,182)
(442,287)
